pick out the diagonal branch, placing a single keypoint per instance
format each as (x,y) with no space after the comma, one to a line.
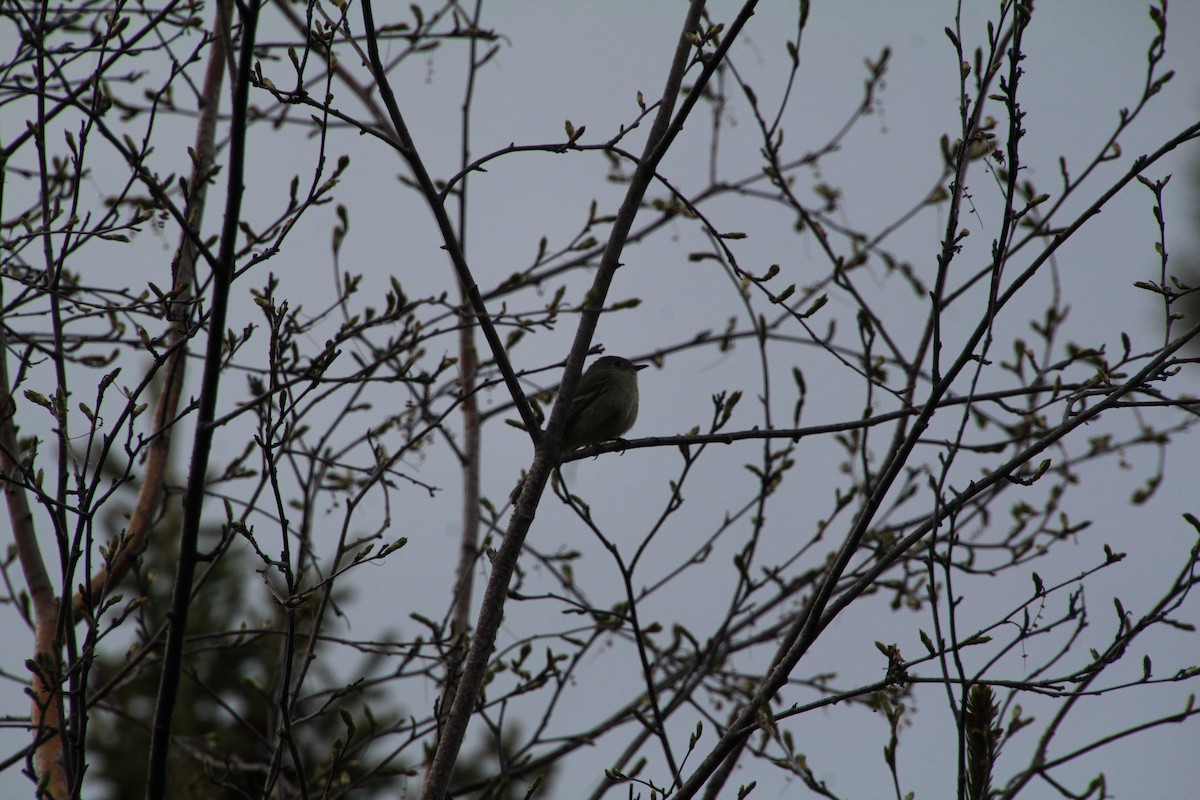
(193,503)
(662,133)
(133,542)
(408,150)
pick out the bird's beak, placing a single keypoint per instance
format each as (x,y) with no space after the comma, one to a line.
(637,367)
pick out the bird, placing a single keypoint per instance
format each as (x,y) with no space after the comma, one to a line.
(604,407)
(605,404)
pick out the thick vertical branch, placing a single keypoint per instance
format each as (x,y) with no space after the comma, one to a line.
(50,616)
(46,714)
(468,363)
(45,711)
(193,504)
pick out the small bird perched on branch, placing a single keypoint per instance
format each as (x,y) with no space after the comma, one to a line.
(604,407)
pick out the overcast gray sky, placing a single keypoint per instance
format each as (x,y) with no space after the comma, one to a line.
(586,62)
